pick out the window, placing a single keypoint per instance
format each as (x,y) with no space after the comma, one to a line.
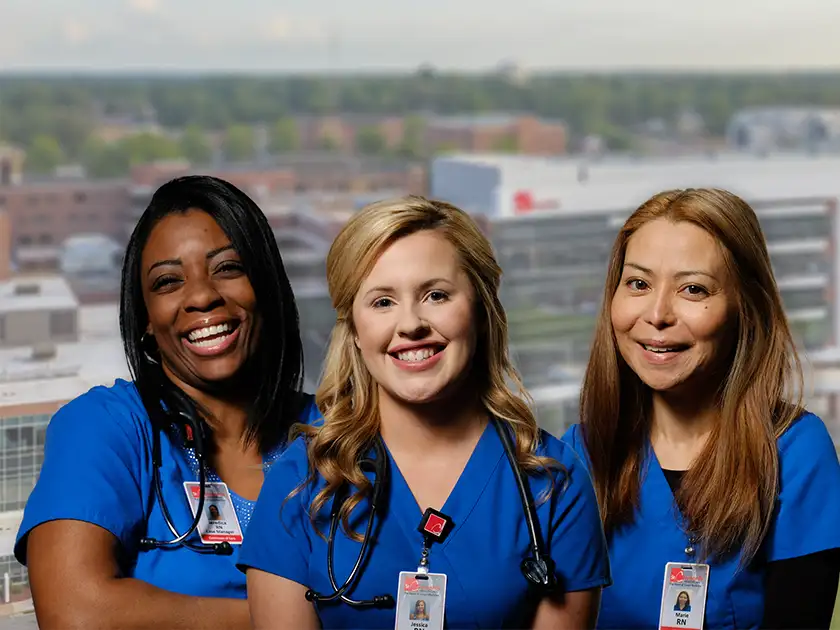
(62,323)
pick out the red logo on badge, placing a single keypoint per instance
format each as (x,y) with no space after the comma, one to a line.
(412,584)
(677,574)
(435,525)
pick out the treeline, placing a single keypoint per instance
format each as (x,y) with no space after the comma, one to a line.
(35,111)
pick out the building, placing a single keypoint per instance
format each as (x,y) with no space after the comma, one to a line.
(521,134)
(45,214)
(53,351)
(763,129)
(553,223)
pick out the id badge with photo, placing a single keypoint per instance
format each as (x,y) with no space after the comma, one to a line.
(421,601)
(684,596)
(219,522)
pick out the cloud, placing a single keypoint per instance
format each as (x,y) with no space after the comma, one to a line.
(75,32)
(144,6)
(283,29)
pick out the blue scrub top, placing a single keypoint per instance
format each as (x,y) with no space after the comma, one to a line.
(480,556)
(807,520)
(98,469)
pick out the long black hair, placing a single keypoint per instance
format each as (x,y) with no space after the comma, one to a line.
(278,356)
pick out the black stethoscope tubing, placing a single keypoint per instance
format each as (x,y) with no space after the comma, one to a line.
(199,446)
(537,568)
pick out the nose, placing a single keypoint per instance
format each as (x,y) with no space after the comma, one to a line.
(411,325)
(201,295)
(660,310)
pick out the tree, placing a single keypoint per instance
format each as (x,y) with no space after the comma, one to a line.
(412,140)
(194,145)
(369,141)
(44,154)
(239,143)
(506,144)
(102,159)
(328,143)
(143,148)
(284,136)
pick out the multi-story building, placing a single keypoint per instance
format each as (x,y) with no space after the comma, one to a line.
(51,351)
(553,223)
(44,214)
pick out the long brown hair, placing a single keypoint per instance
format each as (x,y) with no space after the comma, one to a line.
(728,496)
(347,396)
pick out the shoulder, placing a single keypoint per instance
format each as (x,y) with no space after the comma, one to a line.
(807,454)
(574,438)
(309,414)
(103,410)
(573,469)
(291,467)
(806,433)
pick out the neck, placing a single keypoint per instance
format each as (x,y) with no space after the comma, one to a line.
(434,428)
(226,416)
(679,428)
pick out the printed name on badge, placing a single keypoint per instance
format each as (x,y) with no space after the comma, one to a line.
(684,596)
(218,522)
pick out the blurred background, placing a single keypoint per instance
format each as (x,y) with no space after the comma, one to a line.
(549,122)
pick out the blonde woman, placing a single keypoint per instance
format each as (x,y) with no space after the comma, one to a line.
(415,397)
(700,451)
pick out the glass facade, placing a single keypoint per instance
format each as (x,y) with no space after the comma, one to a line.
(18,575)
(21,456)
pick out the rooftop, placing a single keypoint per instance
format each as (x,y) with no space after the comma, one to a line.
(96,359)
(583,185)
(36,293)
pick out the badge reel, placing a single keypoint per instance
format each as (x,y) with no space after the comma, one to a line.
(684,596)
(421,595)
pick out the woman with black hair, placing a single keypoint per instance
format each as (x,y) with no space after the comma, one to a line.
(210,330)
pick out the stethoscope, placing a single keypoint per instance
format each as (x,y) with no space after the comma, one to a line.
(537,568)
(185,411)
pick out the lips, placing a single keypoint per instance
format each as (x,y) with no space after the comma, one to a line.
(212,339)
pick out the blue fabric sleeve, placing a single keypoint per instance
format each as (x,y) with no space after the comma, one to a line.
(91,471)
(578,544)
(311,414)
(574,438)
(277,539)
(807,516)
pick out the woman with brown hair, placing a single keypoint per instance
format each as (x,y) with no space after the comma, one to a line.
(692,426)
(417,381)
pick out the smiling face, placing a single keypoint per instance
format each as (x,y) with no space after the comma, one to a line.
(200,303)
(414,317)
(674,311)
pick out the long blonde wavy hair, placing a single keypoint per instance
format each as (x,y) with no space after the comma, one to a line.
(348,396)
(728,496)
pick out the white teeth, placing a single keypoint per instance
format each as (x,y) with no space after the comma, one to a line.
(210,331)
(661,349)
(416,355)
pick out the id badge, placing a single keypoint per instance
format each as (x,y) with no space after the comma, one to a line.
(421,601)
(684,596)
(219,522)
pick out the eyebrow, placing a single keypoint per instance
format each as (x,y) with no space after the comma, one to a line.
(177,261)
(679,274)
(425,285)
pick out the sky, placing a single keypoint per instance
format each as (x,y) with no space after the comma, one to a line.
(395,35)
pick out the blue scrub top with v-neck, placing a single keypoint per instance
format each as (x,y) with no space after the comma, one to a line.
(98,469)
(806,520)
(480,556)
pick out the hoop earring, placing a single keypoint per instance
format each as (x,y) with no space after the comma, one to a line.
(144,342)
